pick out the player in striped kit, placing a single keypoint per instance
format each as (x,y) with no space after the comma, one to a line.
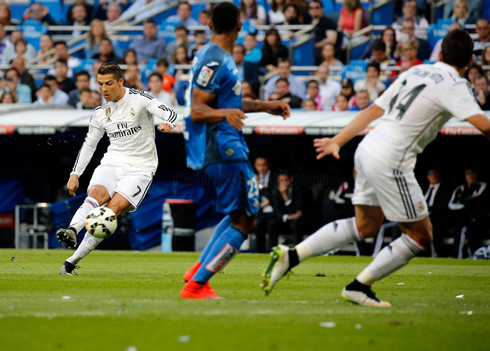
(126,171)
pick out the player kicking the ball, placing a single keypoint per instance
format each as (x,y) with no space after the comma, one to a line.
(412,110)
(125,173)
(215,146)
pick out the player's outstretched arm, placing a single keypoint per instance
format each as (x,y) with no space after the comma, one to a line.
(482,123)
(331,146)
(162,111)
(202,112)
(279,108)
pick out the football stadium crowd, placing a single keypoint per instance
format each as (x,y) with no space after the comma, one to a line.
(48,70)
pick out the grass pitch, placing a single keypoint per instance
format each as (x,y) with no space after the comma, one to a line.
(130,301)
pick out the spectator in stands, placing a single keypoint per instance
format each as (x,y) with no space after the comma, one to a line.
(388,36)
(4,41)
(113,12)
(348,91)
(6,16)
(409,50)
(137,6)
(200,39)
(204,17)
(89,9)
(276,12)
(256,14)
(168,81)
(328,56)
(155,82)
(132,78)
(341,103)
(97,31)
(180,39)
(61,52)
(38,12)
(282,87)
(82,81)
(329,88)
(44,96)
(461,14)
(265,182)
(46,44)
(84,99)
(95,99)
(8,98)
(475,8)
(10,83)
(274,96)
(362,101)
(472,72)
(313,93)
(183,16)
(372,84)
(469,207)
(437,199)
(273,50)
(249,90)
(25,77)
(106,52)
(379,56)
(483,40)
(59,96)
(310,105)
(408,33)
(302,6)
(9,53)
(482,94)
(64,83)
(150,46)
(246,70)
(292,16)
(288,203)
(434,57)
(79,18)
(485,60)
(325,28)
(93,85)
(352,17)
(410,14)
(180,58)
(130,57)
(20,48)
(284,71)
(252,52)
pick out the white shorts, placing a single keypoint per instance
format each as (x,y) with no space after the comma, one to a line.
(131,182)
(397,193)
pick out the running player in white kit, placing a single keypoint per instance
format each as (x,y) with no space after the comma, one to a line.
(412,110)
(127,168)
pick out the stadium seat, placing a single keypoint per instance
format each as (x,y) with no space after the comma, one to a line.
(32,31)
(355,70)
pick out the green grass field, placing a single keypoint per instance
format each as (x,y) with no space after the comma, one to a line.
(121,300)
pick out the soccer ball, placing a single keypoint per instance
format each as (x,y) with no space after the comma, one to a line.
(101,222)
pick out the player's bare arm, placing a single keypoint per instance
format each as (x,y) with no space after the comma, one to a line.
(202,112)
(279,108)
(482,123)
(331,146)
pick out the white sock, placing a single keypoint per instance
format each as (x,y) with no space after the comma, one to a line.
(331,236)
(391,258)
(78,220)
(88,244)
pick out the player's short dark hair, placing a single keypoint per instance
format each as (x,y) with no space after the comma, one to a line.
(379,45)
(82,73)
(110,68)
(225,17)
(155,74)
(49,78)
(282,80)
(457,48)
(162,62)
(375,65)
(62,61)
(60,43)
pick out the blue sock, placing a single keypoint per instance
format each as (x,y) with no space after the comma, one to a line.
(220,228)
(223,250)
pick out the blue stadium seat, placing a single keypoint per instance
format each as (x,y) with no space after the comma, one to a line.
(86,65)
(384,14)
(32,31)
(167,31)
(355,70)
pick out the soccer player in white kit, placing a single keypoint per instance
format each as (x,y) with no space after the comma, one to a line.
(412,110)
(126,171)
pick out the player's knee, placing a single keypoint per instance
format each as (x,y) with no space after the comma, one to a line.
(368,229)
(99,194)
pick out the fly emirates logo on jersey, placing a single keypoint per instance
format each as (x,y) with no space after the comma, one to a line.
(123,131)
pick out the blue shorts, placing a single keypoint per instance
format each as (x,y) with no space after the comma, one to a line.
(234,185)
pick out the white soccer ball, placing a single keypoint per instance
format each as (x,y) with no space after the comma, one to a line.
(101,222)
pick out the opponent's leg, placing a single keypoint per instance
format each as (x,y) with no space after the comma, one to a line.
(417,236)
(366,224)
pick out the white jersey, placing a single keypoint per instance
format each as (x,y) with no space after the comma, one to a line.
(416,107)
(131,130)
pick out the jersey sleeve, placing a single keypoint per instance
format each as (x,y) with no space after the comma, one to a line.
(460,101)
(94,134)
(385,100)
(207,77)
(156,108)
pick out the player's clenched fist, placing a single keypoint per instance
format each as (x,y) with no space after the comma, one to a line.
(165,127)
(235,117)
(72,185)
